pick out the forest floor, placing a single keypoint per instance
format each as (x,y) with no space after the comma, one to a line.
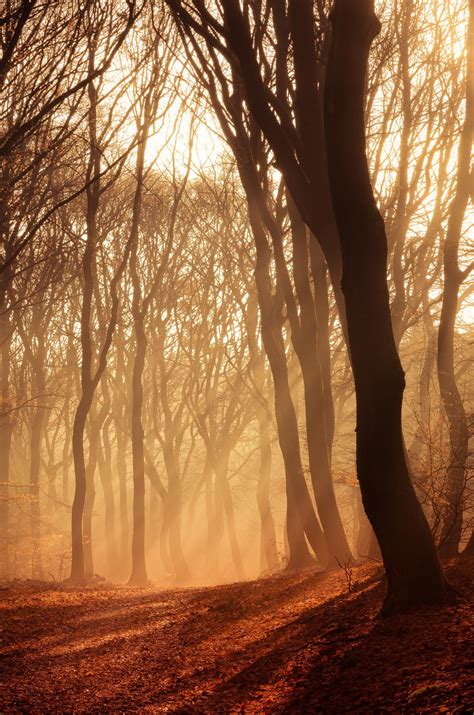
(291,643)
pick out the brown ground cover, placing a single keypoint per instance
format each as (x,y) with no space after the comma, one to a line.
(291,643)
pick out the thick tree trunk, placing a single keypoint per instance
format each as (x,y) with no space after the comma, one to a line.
(413,571)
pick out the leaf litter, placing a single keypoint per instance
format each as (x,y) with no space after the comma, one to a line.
(288,643)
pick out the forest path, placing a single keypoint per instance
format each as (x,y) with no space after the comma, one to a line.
(294,643)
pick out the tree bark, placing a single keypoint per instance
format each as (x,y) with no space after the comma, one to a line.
(413,571)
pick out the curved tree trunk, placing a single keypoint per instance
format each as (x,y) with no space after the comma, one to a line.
(411,563)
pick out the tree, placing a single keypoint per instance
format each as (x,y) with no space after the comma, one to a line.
(413,571)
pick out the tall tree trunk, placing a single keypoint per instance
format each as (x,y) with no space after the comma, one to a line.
(451,529)
(413,571)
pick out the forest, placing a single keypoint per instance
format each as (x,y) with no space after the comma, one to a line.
(236,352)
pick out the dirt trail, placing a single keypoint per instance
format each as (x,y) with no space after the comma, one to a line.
(291,643)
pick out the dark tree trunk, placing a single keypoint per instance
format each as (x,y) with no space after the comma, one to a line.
(414,574)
